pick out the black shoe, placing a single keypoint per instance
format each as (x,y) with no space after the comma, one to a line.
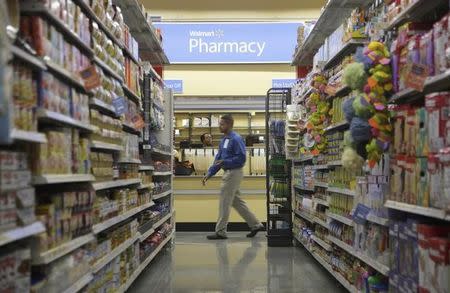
(216,237)
(253,232)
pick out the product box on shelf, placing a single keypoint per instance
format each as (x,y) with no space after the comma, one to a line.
(15,269)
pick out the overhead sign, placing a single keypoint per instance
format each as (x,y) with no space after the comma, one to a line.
(176,85)
(230,42)
(283,83)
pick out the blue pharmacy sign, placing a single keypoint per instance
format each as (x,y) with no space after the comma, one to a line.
(176,85)
(230,42)
(283,83)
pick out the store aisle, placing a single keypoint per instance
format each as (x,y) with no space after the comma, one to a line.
(235,265)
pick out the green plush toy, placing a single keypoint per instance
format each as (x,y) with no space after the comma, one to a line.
(355,76)
(362,108)
(351,160)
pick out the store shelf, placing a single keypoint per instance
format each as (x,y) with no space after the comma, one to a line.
(328,267)
(58,179)
(35,8)
(304,158)
(368,260)
(120,218)
(130,55)
(28,136)
(378,220)
(100,105)
(19,233)
(130,94)
(322,243)
(43,114)
(304,215)
(106,146)
(28,58)
(319,167)
(146,168)
(337,126)
(115,183)
(129,161)
(130,128)
(161,152)
(42,258)
(331,18)
(334,163)
(321,223)
(432,84)
(342,219)
(150,47)
(97,266)
(161,195)
(342,191)
(165,173)
(302,188)
(145,186)
(348,48)
(80,284)
(415,12)
(146,234)
(418,210)
(321,184)
(321,201)
(144,264)
(65,75)
(107,70)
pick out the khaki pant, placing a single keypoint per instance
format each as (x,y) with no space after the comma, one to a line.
(230,196)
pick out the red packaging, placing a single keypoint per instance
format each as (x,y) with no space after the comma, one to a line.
(437,106)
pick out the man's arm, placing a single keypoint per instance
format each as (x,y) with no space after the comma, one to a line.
(239,155)
(215,167)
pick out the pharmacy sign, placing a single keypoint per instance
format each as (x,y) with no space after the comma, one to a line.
(229,42)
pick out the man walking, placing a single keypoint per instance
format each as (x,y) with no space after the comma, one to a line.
(231,158)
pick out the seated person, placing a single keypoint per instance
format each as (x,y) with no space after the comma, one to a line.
(206,140)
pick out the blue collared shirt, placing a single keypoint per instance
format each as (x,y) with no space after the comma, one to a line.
(231,151)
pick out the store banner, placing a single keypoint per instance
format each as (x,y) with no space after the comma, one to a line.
(283,83)
(230,42)
(176,85)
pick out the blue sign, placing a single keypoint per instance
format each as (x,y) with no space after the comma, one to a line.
(231,42)
(176,85)
(120,105)
(283,83)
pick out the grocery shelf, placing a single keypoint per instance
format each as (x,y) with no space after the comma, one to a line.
(144,264)
(106,146)
(100,105)
(64,74)
(128,161)
(321,201)
(378,220)
(299,187)
(304,158)
(415,11)
(342,219)
(97,266)
(80,283)
(130,128)
(342,191)
(322,243)
(130,94)
(332,16)
(28,58)
(28,136)
(319,167)
(161,195)
(162,173)
(337,126)
(334,163)
(432,84)
(384,269)
(115,183)
(161,152)
(328,267)
(418,210)
(42,258)
(58,179)
(35,8)
(146,168)
(150,47)
(43,114)
(120,218)
(321,184)
(145,186)
(321,223)
(348,48)
(130,55)
(146,234)
(106,69)
(19,233)
(304,215)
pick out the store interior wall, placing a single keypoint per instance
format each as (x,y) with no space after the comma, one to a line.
(227,79)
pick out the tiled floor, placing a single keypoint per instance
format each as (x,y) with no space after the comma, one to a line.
(235,265)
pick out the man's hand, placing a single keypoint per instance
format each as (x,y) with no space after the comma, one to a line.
(205,179)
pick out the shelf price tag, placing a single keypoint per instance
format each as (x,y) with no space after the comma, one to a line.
(119,105)
(416,76)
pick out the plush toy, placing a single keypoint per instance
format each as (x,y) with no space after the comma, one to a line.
(362,107)
(351,160)
(360,130)
(355,76)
